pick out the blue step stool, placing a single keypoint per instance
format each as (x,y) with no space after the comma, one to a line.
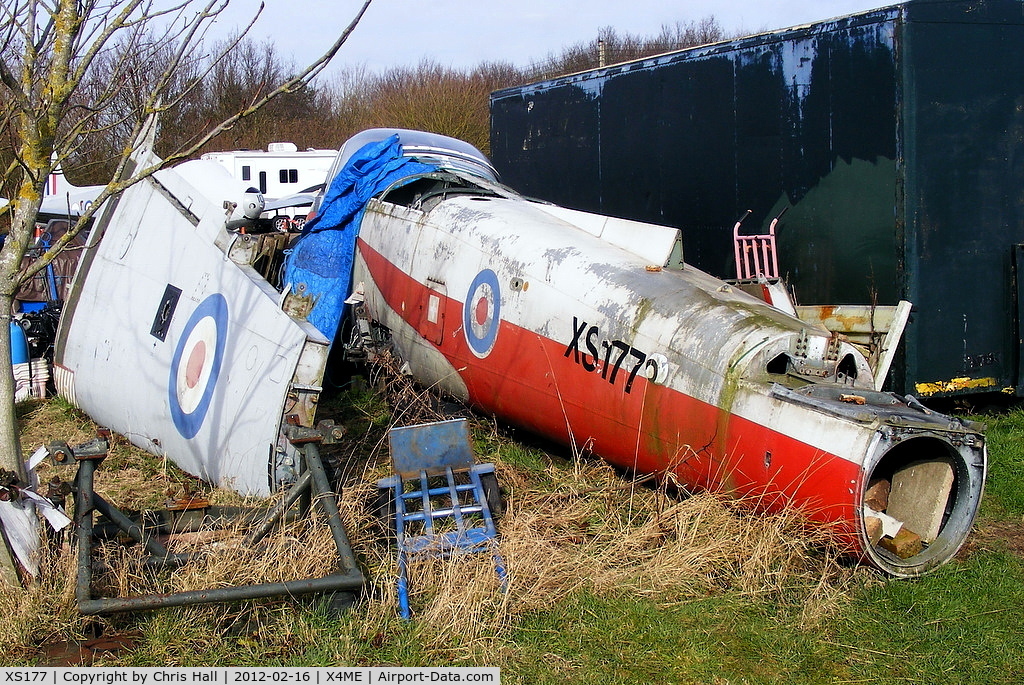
(442,501)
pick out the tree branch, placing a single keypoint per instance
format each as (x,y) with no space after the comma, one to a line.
(287,87)
(154,105)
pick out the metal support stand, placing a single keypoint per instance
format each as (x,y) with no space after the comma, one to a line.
(313,484)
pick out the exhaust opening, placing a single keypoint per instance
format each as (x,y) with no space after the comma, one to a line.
(847,368)
(919,503)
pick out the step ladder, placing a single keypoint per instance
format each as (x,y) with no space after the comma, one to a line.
(440,501)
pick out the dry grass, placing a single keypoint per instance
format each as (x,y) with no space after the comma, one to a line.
(577,527)
(577,537)
(586,528)
(128,477)
(43,612)
(302,549)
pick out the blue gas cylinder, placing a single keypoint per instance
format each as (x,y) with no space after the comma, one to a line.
(19,344)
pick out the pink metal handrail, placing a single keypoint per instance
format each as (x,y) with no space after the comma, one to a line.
(755,254)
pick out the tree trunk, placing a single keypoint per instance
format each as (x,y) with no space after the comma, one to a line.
(10,438)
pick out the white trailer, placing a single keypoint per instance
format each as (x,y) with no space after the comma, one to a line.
(278,171)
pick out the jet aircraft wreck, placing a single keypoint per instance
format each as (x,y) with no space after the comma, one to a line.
(202,335)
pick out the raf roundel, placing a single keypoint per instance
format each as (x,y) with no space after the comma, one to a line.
(481,313)
(196,365)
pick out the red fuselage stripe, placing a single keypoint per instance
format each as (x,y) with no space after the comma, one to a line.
(543,385)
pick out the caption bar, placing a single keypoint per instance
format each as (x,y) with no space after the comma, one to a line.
(236,676)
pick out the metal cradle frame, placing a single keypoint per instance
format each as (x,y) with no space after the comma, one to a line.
(313,483)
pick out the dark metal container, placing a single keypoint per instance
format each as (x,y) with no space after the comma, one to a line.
(895,137)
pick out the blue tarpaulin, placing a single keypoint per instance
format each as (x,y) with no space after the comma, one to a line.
(320,265)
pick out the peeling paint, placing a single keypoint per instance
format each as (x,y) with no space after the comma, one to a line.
(955,385)
(592,87)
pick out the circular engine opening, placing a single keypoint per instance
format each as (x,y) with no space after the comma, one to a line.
(919,503)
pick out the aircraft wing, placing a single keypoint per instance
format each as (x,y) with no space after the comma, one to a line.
(187,353)
(71,203)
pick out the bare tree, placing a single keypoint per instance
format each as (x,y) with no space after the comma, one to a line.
(428,96)
(611,47)
(135,64)
(248,71)
(50,104)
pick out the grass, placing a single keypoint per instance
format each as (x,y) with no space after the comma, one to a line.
(1004,488)
(608,584)
(958,625)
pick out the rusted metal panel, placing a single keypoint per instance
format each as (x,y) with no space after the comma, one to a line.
(1018,281)
(875,330)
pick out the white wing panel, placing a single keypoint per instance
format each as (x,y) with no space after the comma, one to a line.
(176,347)
(651,242)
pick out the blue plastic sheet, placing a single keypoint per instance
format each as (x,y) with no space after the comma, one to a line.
(320,264)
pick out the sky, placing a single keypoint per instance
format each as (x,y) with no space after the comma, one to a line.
(463,33)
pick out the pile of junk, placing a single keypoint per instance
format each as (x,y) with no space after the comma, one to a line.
(37,312)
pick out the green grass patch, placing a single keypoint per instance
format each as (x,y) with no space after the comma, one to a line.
(610,583)
(1004,488)
(728,637)
(960,624)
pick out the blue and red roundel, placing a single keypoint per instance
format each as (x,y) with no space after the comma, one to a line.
(481,313)
(196,364)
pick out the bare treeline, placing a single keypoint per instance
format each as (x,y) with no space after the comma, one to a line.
(610,47)
(208,88)
(426,96)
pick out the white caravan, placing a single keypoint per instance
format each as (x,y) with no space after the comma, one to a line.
(279,170)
